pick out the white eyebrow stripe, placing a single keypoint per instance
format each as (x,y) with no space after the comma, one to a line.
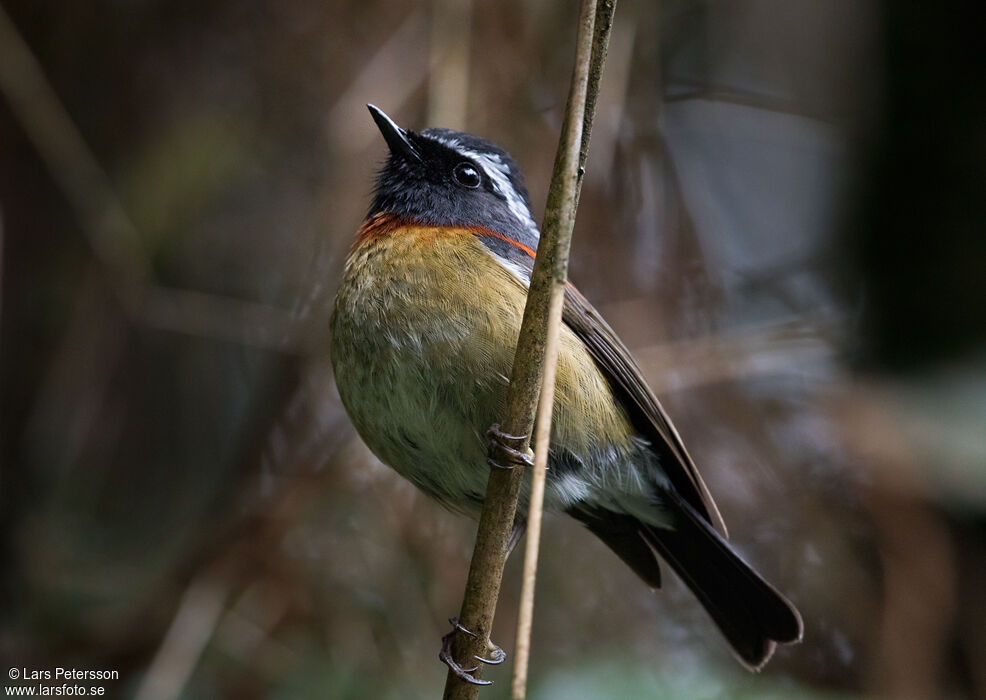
(498,172)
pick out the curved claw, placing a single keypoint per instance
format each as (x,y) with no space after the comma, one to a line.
(495,433)
(445,655)
(454,621)
(463,673)
(499,656)
(497,465)
(498,442)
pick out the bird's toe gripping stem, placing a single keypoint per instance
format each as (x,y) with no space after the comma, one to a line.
(501,450)
(497,655)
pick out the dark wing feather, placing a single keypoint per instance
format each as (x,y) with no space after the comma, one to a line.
(644,409)
(624,376)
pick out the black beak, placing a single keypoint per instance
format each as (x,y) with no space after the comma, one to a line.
(395,136)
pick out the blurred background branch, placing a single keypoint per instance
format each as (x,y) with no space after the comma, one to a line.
(110,232)
(448,81)
(112,236)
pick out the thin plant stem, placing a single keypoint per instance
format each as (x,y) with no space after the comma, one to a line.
(585,89)
(547,282)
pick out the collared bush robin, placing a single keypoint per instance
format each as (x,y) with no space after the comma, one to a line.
(424,330)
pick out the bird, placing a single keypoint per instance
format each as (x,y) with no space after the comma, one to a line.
(423,332)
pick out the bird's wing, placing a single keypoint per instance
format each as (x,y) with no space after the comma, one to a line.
(624,376)
(646,412)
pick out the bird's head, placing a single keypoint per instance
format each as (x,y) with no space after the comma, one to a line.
(447,178)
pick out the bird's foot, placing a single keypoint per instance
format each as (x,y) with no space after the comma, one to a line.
(501,451)
(497,655)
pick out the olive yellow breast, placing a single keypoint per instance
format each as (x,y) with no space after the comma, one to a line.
(423,335)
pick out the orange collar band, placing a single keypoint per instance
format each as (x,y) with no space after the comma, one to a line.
(384,224)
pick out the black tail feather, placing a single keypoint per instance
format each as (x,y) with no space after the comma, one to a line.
(622,534)
(750,612)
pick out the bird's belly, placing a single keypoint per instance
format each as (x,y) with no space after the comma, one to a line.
(423,335)
(420,350)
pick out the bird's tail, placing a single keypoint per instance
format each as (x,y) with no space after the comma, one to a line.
(750,612)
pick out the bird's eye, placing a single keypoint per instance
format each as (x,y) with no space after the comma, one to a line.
(466,175)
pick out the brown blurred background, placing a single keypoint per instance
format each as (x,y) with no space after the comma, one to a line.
(783,217)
